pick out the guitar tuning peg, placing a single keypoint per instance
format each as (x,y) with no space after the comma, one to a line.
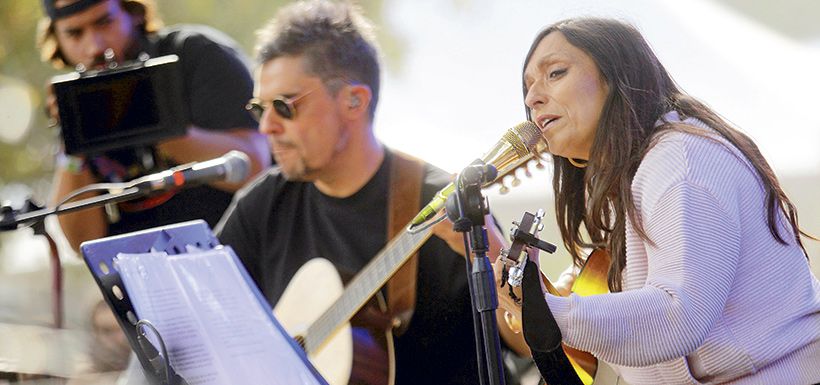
(540,226)
(513,229)
(515,181)
(503,189)
(527,172)
(539,165)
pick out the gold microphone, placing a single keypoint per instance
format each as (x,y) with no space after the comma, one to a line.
(518,145)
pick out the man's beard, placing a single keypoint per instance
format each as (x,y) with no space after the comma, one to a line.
(298,171)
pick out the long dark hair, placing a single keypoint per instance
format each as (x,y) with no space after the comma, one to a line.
(640,93)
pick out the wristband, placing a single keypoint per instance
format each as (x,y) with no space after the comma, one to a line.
(73,164)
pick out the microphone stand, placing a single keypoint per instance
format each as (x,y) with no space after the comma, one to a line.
(6,219)
(34,215)
(11,220)
(469,208)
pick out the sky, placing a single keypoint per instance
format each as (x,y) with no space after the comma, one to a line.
(458,88)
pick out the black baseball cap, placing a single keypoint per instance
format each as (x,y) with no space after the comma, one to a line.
(78,6)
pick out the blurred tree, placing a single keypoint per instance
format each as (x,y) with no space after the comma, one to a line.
(29,161)
(246,16)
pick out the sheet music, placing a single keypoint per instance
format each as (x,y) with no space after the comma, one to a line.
(215,328)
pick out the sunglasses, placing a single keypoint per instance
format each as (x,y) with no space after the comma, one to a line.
(285,107)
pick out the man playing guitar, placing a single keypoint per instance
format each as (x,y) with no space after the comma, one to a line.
(329,196)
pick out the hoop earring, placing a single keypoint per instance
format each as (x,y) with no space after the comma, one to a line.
(578,163)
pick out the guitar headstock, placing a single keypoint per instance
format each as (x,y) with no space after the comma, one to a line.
(509,178)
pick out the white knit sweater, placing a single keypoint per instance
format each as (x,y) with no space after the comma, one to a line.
(715,299)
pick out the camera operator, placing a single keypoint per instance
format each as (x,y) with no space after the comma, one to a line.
(216,84)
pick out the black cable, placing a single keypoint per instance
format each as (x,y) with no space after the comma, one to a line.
(90,188)
(425,225)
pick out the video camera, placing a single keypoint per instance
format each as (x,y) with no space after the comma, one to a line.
(134,104)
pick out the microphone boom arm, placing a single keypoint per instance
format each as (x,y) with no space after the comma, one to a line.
(11,222)
(232,167)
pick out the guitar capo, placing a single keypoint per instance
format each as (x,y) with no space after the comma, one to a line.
(521,235)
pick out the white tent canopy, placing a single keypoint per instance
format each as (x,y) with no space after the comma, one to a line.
(458,87)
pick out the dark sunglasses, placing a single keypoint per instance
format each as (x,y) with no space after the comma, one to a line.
(284,106)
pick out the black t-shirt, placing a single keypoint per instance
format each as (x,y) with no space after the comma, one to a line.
(275,226)
(217,85)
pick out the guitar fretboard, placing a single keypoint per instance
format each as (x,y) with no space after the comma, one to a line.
(364,286)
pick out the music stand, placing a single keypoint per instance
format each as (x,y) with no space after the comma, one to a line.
(172,239)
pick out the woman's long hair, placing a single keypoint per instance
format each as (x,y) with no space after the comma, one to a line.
(641,92)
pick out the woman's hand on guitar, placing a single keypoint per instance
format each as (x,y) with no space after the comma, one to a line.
(565,281)
(563,285)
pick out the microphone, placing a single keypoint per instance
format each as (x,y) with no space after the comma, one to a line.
(518,145)
(232,167)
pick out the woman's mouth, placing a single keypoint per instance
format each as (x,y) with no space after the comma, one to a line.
(546,121)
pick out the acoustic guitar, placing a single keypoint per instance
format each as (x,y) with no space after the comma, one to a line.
(315,307)
(591,280)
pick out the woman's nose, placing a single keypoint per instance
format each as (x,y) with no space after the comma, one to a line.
(535,95)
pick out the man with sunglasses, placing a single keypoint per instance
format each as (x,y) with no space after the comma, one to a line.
(328,196)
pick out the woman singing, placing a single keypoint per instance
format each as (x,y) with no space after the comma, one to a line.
(709,281)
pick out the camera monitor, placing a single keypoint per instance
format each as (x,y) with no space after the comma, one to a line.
(134,105)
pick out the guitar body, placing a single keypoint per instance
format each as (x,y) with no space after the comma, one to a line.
(591,280)
(352,354)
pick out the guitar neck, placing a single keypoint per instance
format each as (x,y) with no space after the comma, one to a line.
(374,275)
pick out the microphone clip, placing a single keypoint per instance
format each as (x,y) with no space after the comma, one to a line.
(477,173)
(8,216)
(467,207)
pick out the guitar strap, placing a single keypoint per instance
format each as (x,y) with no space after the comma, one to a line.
(404,201)
(541,332)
